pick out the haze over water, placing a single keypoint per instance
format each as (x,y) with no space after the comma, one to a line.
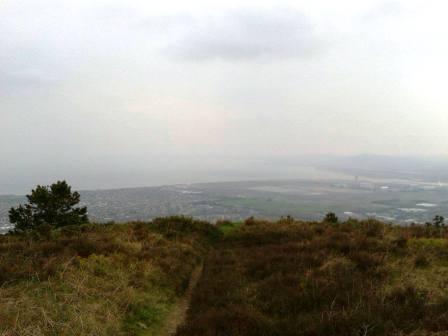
(112,94)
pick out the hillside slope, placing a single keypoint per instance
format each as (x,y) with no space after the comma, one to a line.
(298,278)
(259,278)
(98,279)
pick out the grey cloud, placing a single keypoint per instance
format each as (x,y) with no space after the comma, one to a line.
(25,78)
(384,10)
(30,56)
(23,69)
(167,24)
(245,34)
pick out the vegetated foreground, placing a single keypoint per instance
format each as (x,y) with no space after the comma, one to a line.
(98,279)
(297,278)
(259,278)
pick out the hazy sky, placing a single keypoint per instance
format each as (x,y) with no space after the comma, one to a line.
(123,84)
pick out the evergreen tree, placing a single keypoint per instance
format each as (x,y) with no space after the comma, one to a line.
(331,218)
(53,205)
(438,221)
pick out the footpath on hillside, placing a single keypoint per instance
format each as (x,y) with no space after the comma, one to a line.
(178,314)
(295,278)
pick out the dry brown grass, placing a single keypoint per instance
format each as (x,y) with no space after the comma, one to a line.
(261,278)
(298,278)
(97,279)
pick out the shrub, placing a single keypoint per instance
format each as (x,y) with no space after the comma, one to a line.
(421,261)
(175,226)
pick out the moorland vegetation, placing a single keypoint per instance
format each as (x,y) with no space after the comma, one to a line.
(323,278)
(271,278)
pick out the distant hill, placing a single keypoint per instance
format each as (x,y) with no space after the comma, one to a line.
(425,169)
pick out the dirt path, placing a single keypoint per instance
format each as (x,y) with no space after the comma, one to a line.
(179,313)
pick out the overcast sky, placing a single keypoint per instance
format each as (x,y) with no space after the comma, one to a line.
(119,84)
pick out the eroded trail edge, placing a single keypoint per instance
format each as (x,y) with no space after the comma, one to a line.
(179,313)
